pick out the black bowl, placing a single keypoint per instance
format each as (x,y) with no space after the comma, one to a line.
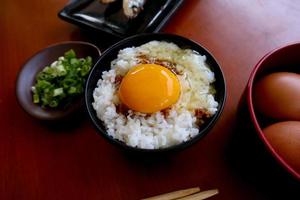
(110,54)
(27,77)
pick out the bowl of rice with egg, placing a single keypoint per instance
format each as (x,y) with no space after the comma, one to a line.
(155,92)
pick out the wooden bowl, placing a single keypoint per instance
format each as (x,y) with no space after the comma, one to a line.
(27,78)
(285,58)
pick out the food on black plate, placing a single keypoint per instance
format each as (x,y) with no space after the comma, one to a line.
(131,8)
(107,1)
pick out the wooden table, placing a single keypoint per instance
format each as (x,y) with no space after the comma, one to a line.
(40,162)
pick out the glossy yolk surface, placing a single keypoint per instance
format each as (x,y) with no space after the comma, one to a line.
(149,88)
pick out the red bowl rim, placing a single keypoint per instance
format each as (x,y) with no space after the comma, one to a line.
(253,116)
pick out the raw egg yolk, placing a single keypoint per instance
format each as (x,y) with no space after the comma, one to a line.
(148,88)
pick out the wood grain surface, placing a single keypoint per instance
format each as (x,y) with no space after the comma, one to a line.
(72,161)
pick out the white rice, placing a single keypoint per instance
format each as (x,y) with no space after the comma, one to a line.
(157,130)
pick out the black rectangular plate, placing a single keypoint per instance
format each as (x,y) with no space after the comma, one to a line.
(109,18)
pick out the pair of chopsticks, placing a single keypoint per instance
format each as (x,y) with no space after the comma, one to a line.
(186,194)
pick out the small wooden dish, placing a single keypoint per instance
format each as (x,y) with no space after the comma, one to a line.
(27,78)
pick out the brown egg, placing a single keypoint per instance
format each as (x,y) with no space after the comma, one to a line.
(277,95)
(285,139)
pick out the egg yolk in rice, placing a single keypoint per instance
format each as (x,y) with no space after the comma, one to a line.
(148,88)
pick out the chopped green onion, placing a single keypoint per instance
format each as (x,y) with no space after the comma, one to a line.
(58,92)
(58,84)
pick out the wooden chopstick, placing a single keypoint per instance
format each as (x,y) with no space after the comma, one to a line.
(175,195)
(201,195)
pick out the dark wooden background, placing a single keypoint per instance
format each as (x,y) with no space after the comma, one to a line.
(42,162)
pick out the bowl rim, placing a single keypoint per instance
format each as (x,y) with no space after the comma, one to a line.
(29,59)
(182,145)
(251,109)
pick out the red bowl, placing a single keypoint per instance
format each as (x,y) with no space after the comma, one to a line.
(285,58)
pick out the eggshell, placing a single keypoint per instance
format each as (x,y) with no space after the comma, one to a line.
(285,139)
(277,95)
